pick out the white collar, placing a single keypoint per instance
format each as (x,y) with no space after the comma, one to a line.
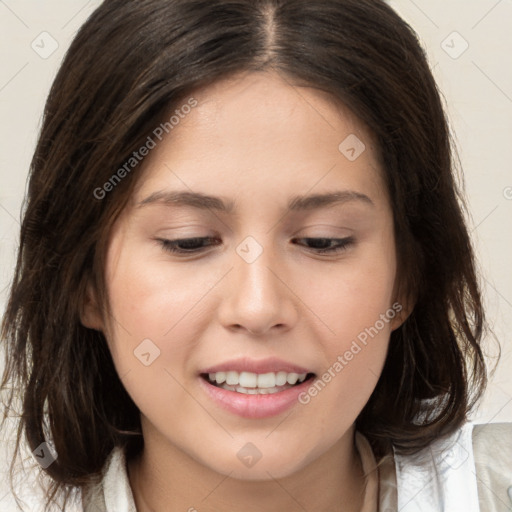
(442,476)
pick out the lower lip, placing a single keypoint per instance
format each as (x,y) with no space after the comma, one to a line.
(255,406)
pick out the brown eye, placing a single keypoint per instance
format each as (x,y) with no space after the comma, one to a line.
(186,245)
(328,245)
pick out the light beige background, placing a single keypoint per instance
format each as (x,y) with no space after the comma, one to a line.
(476,83)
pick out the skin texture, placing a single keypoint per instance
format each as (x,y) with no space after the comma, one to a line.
(257,140)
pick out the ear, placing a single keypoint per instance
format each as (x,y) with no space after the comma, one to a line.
(90,313)
(403,306)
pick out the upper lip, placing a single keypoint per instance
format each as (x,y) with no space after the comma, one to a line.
(256,366)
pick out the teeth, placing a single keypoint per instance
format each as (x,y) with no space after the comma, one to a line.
(218,377)
(266,380)
(281,378)
(232,378)
(292,378)
(256,391)
(247,382)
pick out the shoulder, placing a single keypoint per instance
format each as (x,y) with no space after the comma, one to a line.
(495,437)
(469,469)
(492,449)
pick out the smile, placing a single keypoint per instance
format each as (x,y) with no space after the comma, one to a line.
(255,389)
(250,383)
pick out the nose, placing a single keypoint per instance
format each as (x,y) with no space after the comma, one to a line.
(257,297)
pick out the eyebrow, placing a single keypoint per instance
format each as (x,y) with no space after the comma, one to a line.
(296,203)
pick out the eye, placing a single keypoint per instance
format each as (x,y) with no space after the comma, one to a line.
(186,245)
(328,245)
(198,244)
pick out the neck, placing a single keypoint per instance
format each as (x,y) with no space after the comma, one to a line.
(168,479)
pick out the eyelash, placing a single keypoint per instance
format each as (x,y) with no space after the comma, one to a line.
(172,246)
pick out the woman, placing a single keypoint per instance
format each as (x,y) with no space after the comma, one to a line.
(244,278)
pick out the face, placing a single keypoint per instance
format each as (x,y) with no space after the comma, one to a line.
(284,274)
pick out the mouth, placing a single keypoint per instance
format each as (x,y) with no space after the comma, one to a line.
(255,389)
(249,383)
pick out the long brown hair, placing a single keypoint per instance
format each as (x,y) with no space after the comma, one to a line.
(132,61)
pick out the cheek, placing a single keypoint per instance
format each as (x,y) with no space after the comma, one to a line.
(352,302)
(149,302)
(356,305)
(352,294)
(153,296)
(354,360)
(152,328)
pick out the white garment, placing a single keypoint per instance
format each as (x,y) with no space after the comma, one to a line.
(444,479)
(440,478)
(117,490)
(447,476)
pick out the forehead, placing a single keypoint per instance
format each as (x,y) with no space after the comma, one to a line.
(259,132)
(269,106)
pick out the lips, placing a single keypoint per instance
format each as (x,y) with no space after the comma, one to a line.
(255,389)
(269,365)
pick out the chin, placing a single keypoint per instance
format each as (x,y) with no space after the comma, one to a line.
(251,465)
